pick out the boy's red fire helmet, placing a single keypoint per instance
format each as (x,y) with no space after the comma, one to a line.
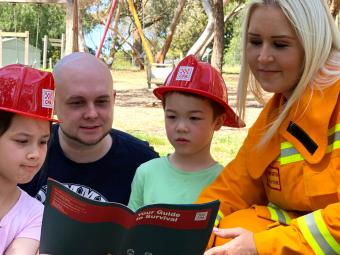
(200,78)
(27,91)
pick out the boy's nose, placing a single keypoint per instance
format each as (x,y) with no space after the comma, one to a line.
(181,126)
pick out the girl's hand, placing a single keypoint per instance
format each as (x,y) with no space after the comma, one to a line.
(242,243)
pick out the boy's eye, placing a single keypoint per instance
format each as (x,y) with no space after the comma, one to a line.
(195,118)
(170,116)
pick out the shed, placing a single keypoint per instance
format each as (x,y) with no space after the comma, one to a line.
(14,48)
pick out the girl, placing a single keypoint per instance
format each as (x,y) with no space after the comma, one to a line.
(26,102)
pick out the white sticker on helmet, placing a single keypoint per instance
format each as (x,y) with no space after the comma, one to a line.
(184,73)
(47,98)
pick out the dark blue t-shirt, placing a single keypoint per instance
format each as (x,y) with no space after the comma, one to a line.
(107,179)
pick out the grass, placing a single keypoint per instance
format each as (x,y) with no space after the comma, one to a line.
(224,147)
(148,124)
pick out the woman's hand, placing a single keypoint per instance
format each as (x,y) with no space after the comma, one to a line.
(242,242)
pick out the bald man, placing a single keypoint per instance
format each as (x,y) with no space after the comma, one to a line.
(86,154)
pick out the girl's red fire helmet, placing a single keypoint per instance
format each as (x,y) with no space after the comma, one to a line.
(27,91)
(200,78)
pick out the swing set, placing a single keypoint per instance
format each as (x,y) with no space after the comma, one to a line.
(68,44)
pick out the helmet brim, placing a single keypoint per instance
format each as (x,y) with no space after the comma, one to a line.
(30,115)
(232,119)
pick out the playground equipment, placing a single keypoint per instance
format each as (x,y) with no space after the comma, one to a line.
(71,38)
(54,42)
(15,35)
(157,73)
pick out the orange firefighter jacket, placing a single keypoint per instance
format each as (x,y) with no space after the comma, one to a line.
(295,176)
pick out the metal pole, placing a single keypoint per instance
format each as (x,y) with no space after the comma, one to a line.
(108,22)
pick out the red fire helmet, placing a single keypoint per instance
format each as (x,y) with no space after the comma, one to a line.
(200,78)
(27,91)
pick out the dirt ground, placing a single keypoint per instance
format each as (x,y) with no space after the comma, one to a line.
(135,102)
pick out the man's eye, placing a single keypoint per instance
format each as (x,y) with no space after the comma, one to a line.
(103,101)
(170,116)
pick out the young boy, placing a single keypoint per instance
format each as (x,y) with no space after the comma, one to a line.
(195,103)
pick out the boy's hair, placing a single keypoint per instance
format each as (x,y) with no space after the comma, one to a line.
(5,121)
(311,20)
(218,109)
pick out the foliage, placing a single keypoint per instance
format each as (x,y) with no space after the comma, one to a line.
(191,25)
(46,19)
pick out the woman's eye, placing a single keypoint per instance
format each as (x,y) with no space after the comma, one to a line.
(255,42)
(280,45)
(21,141)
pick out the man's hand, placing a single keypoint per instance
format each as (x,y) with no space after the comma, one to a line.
(242,242)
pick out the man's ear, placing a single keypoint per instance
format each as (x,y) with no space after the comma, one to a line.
(114,93)
(219,121)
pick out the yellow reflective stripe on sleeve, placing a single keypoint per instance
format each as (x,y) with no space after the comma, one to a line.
(219,217)
(273,214)
(316,233)
(287,217)
(325,232)
(309,237)
(278,214)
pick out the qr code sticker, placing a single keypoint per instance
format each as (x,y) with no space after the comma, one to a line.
(184,73)
(201,216)
(47,98)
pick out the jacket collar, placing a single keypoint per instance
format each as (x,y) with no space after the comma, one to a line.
(311,115)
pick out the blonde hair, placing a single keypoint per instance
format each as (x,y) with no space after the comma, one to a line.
(320,38)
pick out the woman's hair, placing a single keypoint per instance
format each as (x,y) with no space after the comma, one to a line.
(320,39)
(5,121)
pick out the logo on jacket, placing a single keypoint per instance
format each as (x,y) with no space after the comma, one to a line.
(273,178)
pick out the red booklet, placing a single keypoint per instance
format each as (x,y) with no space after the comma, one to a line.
(73,224)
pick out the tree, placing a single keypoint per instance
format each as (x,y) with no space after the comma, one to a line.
(197,46)
(38,19)
(161,54)
(218,47)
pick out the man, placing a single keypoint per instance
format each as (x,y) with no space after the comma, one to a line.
(85,153)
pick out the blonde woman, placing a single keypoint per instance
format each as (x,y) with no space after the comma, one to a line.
(280,195)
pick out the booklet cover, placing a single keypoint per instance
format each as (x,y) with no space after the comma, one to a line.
(73,224)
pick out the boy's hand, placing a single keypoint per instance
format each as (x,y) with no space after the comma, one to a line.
(242,242)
